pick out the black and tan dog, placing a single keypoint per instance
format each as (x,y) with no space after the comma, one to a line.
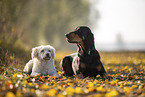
(86,62)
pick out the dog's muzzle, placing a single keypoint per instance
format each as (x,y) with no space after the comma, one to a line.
(69,38)
(47,56)
(67,35)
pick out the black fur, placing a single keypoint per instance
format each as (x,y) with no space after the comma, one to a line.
(86,62)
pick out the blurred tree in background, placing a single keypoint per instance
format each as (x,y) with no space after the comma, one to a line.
(29,23)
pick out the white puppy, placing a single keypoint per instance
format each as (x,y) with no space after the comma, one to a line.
(42,61)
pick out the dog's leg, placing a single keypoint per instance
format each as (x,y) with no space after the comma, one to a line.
(28,67)
(55,74)
(67,65)
(103,73)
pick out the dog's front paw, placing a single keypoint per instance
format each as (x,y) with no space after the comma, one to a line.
(55,74)
(80,75)
(105,76)
(35,74)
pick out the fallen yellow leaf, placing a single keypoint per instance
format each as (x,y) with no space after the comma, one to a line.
(10,94)
(70,90)
(78,90)
(113,83)
(90,84)
(51,92)
(25,82)
(134,86)
(127,90)
(60,95)
(100,89)
(15,75)
(112,93)
(44,87)
(19,94)
(91,89)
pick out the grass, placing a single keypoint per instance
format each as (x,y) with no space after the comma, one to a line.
(127,70)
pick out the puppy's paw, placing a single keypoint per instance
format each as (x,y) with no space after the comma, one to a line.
(35,74)
(55,74)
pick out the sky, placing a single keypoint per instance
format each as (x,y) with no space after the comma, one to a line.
(120,17)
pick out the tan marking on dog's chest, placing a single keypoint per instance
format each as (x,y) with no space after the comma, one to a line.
(82,65)
(98,67)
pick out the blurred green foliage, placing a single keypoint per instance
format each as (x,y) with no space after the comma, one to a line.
(29,23)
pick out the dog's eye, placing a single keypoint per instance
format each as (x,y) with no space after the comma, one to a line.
(49,50)
(77,28)
(42,51)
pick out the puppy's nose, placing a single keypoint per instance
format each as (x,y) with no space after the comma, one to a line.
(47,54)
(67,35)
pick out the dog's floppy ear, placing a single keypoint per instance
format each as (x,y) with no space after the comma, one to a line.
(88,39)
(34,53)
(53,52)
(90,42)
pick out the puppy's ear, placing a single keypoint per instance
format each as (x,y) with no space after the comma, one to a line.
(53,53)
(34,53)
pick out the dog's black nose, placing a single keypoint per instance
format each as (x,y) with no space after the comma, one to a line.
(47,54)
(67,35)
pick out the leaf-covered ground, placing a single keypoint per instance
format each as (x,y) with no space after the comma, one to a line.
(127,70)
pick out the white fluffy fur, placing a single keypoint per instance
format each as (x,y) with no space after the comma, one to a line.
(42,61)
